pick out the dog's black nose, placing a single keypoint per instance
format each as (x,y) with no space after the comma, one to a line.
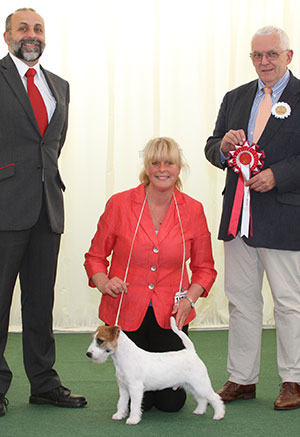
(88,354)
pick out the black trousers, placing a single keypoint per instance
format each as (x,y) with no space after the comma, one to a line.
(152,338)
(33,255)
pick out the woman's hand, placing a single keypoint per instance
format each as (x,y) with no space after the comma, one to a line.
(112,287)
(182,309)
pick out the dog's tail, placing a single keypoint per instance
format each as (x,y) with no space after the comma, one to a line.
(188,344)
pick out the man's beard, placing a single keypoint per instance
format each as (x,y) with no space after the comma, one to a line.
(21,51)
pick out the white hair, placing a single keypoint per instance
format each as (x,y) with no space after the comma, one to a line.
(268,30)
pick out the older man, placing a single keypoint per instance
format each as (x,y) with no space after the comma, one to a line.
(261,230)
(33,126)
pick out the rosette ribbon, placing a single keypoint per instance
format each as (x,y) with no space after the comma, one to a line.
(245,160)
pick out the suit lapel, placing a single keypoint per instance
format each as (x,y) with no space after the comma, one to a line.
(171,219)
(138,197)
(53,88)
(244,106)
(13,79)
(51,83)
(290,95)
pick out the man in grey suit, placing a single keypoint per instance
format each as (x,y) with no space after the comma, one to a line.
(272,242)
(31,205)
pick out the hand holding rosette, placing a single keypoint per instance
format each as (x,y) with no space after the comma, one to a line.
(245,160)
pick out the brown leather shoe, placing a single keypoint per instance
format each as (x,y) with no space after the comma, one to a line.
(289,398)
(232,391)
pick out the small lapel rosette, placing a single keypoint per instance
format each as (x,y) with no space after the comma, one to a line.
(245,160)
(281,110)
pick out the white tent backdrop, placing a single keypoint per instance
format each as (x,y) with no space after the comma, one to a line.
(139,69)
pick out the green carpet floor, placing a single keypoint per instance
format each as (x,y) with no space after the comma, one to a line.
(97,382)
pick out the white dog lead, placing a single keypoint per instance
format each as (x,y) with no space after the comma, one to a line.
(180,293)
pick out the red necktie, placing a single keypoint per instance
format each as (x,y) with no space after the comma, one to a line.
(37,102)
(263,114)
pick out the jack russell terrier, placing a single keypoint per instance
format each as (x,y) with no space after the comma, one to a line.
(138,371)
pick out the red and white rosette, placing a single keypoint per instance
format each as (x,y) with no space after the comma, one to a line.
(245,160)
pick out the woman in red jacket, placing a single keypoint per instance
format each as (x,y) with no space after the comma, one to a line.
(151,231)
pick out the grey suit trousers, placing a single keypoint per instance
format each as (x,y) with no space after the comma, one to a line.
(33,254)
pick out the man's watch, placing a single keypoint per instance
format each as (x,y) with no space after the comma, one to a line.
(190,301)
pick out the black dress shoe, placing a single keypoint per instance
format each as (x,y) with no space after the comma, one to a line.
(60,397)
(3,404)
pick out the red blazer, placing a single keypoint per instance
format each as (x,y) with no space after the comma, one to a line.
(156,262)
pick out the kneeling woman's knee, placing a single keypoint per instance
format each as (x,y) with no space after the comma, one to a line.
(170,400)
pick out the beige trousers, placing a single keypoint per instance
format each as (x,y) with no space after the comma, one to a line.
(244,270)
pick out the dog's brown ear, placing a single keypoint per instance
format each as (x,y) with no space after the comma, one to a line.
(116,332)
(98,329)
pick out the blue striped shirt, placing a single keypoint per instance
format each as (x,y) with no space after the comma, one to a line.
(277,90)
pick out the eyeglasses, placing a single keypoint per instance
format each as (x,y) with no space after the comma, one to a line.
(271,55)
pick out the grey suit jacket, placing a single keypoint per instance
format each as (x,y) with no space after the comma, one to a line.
(28,162)
(275,214)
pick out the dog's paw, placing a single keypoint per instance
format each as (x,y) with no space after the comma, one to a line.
(118,416)
(219,411)
(219,416)
(201,407)
(133,420)
(199,411)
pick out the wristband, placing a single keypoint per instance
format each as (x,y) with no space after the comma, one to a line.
(190,301)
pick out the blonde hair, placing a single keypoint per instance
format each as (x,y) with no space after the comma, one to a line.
(162,149)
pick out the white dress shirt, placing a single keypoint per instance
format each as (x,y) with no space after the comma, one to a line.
(40,82)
